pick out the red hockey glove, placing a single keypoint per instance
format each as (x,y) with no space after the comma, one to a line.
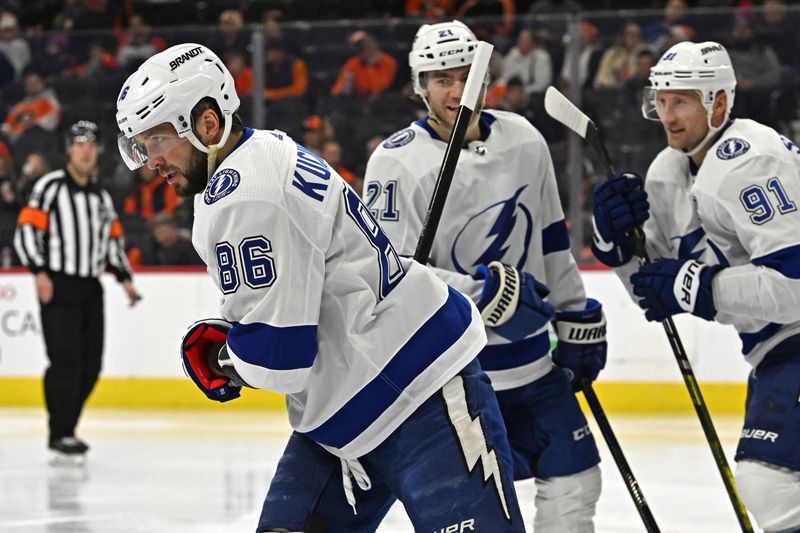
(200,349)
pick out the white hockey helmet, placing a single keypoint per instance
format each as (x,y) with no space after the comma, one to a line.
(164,89)
(704,67)
(439,47)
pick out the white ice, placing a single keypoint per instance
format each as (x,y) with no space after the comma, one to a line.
(204,472)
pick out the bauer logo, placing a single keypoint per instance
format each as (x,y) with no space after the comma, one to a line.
(732,148)
(221,185)
(401,138)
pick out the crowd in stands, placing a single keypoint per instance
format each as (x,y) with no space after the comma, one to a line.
(341,86)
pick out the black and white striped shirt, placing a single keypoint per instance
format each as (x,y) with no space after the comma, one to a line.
(70,229)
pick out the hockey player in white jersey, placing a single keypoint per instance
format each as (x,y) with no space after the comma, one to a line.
(721,219)
(375,354)
(502,224)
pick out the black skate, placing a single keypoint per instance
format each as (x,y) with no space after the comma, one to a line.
(68,451)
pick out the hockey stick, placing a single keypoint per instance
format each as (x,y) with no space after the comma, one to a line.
(619,458)
(560,108)
(469,101)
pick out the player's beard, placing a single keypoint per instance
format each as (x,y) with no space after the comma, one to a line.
(196,175)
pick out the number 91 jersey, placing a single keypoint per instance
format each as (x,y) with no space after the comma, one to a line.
(324,310)
(738,210)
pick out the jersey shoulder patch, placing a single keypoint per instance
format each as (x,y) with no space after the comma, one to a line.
(221,185)
(400,138)
(732,147)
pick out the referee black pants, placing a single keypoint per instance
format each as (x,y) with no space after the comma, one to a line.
(73,333)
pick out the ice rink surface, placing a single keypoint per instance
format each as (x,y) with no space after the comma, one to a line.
(204,472)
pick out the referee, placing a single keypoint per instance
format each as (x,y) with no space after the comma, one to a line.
(67,235)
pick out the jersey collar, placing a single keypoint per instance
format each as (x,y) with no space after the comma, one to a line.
(485,121)
(693,168)
(246,134)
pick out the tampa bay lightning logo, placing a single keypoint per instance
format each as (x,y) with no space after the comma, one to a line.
(400,138)
(510,230)
(221,185)
(732,147)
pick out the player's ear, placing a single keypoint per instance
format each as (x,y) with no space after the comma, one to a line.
(208,127)
(719,109)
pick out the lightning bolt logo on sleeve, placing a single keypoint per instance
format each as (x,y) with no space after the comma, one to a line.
(471,437)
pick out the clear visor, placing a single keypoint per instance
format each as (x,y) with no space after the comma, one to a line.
(649,106)
(654,108)
(137,152)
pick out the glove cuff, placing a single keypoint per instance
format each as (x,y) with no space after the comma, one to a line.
(692,288)
(500,295)
(582,327)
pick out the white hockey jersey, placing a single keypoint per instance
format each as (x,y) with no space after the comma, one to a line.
(503,205)
(739,209)
(323,308)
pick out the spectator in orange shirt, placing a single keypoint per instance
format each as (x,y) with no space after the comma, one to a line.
(367,74)
(40,107)
(231,35)
(137,44)
(242,74)
(150,194)
(316,131)
(285,75)
(99,61)
(430,9)
(332,153)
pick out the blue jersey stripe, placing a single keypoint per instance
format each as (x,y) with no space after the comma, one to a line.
(273,347)
(440,332)
(513,355)
(750,340)
(785,261)
(555,237)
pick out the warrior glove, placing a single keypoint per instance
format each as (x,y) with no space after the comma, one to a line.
(582,346)
(512,302)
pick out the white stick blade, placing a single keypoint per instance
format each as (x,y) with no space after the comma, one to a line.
(477,73)
(560,108)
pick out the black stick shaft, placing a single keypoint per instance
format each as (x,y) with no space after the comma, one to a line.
(443,182)
(619,457)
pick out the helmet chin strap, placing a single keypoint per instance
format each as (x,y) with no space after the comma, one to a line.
(439,121)
(431,114)
(712,130)
(212,149)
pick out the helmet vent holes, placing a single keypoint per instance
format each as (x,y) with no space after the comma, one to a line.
(158,101)
(220,68)
(145,81)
